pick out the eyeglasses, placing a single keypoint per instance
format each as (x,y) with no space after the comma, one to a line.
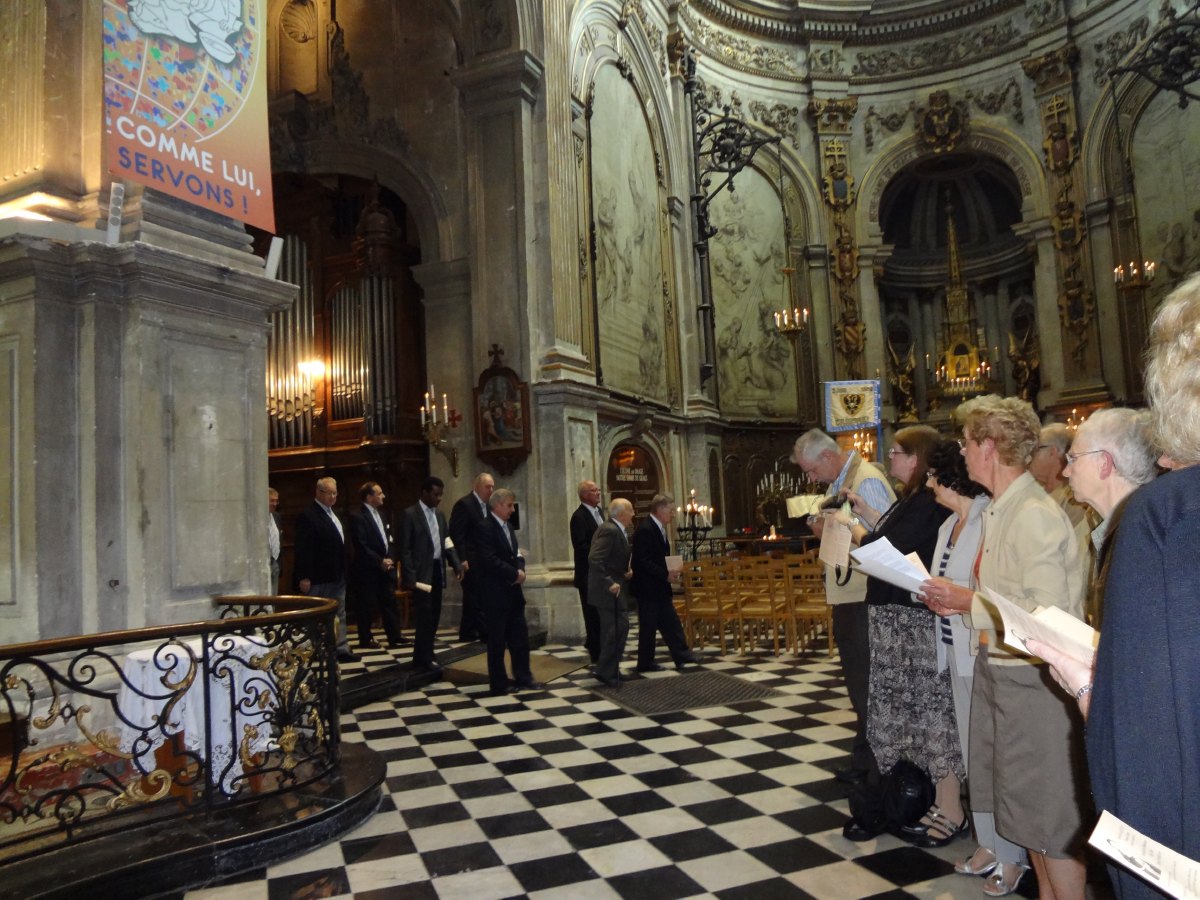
(898,451)
(1071,457)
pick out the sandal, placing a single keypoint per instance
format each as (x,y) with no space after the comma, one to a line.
(998,885)
(941,831)
(981,862)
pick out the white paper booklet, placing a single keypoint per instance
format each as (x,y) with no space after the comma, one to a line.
(835,543)
(1170,872)
(880,559)
(804,505)
(1048,624)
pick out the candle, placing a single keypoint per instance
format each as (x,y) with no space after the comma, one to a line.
(422,417)
(806,315)
(445,409)
(776,320)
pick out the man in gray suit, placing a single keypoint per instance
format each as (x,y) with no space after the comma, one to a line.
(608,588)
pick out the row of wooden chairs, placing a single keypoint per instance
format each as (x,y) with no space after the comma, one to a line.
(754,600)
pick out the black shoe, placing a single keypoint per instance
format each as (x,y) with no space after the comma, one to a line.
(851,775)
(854,830)
(937,832)
(347,656)
(499,692)
(467,636)
(401,642)
(530,686)
(653,667)
(369,645)
(680,665)
(609,682)
(431,667)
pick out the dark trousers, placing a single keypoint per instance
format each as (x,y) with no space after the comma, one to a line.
(591,626)
(335,590)
(506,628)
(655,616)
(370,595)
(427,612)
(614,630)
(854,646)
(473,625)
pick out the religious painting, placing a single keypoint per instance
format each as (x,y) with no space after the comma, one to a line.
(502,436)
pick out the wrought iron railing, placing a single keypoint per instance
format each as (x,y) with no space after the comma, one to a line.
(168,721)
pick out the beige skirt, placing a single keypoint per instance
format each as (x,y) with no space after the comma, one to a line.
(1027,762)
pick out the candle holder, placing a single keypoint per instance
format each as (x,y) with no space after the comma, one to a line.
(698,521)
(435,430)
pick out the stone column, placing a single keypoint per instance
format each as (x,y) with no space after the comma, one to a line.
(135,433)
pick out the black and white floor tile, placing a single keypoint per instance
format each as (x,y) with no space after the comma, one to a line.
(562,794)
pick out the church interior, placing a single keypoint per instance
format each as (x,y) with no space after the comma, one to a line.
(631,241)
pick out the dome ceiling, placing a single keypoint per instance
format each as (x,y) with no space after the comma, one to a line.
(854,21)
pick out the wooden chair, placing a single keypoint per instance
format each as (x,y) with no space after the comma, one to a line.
(708,611)
(762,602)
(806,596)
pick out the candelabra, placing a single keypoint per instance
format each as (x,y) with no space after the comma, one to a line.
(698,523)
(435,431)
(772,492)
(864,443)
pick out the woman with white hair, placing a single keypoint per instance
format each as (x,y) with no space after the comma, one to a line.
(1026,760)
(1143,736)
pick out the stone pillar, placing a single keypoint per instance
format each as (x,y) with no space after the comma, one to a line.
(135,433)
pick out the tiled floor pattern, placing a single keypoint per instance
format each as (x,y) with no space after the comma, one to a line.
(562,794)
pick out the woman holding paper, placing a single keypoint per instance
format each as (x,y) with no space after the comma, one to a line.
(1026,756)
(1002,861)
(910,711)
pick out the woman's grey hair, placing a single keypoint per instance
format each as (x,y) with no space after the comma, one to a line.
(1126,435)
(1011,424)
(1173,374)
(1056,435)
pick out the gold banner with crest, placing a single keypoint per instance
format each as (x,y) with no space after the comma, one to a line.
(851,405)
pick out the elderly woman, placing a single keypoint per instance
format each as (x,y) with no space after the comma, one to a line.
(910,712)
(954,559)
(1143,735)
(1026,759)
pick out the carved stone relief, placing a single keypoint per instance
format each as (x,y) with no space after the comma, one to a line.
(754,361)
(628,235)
(1043,12)
(1166,161)
(953,50)
(1115,47)
(346,118)
(941,124)
(494,31)
(742,53)
(993,102)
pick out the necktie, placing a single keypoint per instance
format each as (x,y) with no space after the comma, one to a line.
(435,536)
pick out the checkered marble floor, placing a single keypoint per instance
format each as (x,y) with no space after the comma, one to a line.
(562,794)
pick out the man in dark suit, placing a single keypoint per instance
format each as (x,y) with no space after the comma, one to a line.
(651,585)
(320,567)
(500,570)
(373,569)
(468,514)
(425,549)
(584,522)
(608,591)
(274,537)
